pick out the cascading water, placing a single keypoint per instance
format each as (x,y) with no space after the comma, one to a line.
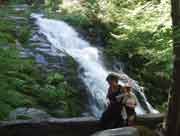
(63,37)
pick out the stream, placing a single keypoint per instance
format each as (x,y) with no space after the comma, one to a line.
(63,37)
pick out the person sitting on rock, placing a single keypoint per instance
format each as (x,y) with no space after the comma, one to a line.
(129,103)
(111,118)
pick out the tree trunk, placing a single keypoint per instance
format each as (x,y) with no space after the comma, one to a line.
(173,119)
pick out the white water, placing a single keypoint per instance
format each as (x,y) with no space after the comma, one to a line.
(63,37)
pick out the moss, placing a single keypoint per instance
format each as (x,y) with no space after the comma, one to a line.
(23,33)
(13,98)
(5,110)
(55,78)
(7,31)
(6,38)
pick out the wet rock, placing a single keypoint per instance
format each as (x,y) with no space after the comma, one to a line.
(40,45)
(28,113)
(25,53)
(126,131)
(44,50)
(86,114)
(21,7)
(16,18)
(37,37)
(150,120)
(41,59)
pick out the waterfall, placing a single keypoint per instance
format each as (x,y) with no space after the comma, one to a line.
(63,37)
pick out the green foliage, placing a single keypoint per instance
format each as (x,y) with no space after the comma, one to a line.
(6,31)
(92,8)
(6,38)
(52,5)
(9,84)
(139,34)
(24,34)
(142,39)
(55,78)
(5,109)
(22,83)
(71,15)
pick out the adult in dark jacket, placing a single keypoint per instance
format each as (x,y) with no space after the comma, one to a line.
(111,117)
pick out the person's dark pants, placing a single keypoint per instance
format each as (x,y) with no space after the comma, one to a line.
(131,113)
(111,118)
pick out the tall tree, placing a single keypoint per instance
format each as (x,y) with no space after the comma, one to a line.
(173,119)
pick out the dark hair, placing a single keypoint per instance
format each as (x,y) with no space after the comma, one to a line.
(112,76)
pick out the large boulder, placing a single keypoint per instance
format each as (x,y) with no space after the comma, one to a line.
(126,131)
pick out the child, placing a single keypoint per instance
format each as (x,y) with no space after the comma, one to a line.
(129,104)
